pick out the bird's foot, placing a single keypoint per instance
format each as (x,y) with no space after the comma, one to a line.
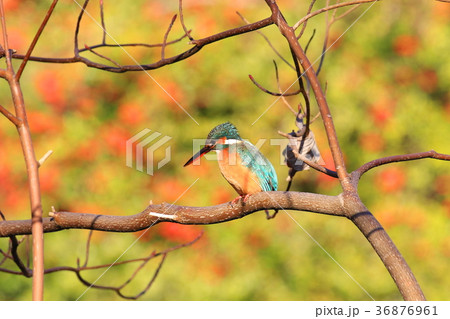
(268,216)
(243,197)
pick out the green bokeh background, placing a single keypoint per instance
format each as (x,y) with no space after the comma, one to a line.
(387,80)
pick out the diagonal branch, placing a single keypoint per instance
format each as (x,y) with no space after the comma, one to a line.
(35,39)
(164,44)
(198,45)
(289,34)
(180,9)
(312,164)
(15,120)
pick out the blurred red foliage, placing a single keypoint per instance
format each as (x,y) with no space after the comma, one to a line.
(178,233)
(406,45)
(390,179)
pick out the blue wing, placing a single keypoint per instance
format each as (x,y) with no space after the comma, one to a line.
(260,165)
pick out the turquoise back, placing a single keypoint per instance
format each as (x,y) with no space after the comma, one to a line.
(259,164)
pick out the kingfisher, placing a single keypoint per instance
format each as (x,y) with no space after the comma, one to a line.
(240,162)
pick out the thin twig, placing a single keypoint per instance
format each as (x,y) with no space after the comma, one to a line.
(16,121)
(88,245)
(302,158)
(283,98)
(45,157)
(198,45)
(35,39)
(102,20)
(398,158)
(77,29)
(163,47)
(259,86)
(118,289)
(25,271)
(102,56)
(332,7)
(268,42)
(186,31)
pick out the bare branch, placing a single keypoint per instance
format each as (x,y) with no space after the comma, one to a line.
(198,45)
(312,164)
(32,167)
(77,29)
(25,271)
(306,22)
(332,7)
(356,175)
(88,245)
(102,20)
(357,212)
(45,157)
(283,98)
(144,261)
(35,39)
(315,203)
(16,121)
(259,86)
(268,42)
(186,31)
(163,47)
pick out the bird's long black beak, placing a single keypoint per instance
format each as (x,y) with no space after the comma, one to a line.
(200,153)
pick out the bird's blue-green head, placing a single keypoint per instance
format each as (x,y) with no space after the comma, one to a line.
(225,130)
(216,139)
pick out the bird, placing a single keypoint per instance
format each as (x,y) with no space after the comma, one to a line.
(245,168)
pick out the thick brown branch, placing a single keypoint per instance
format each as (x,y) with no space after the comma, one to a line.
(315,203)
(332,7)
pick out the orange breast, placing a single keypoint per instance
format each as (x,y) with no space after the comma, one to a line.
(243,180)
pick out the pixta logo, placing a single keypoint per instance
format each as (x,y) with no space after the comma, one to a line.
(143,146)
